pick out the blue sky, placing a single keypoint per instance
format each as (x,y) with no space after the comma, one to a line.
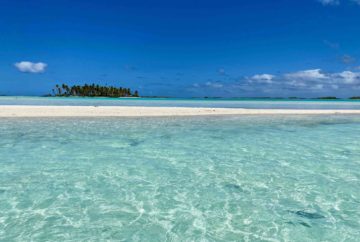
(183,48)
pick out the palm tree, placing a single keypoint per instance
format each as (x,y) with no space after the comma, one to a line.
(93,91)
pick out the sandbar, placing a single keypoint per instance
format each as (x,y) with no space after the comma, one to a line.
(132,111)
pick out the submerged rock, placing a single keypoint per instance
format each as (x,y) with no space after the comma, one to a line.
(305,224)
(135,142)
(308,215)
(234,187)
(301,223)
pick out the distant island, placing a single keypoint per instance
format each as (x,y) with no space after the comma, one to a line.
(328,98)
(95,90)
(332,98)
(92,90)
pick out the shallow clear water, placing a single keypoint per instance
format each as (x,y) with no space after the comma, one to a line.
(183,102)
(249,178)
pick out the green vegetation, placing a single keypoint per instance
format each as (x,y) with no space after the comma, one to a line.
(92,91)
(328,98)
(355,98)
(296,98)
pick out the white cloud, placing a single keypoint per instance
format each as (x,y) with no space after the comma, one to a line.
(329,2)
(31,67)
(306,75)
(214,84)
(316,79)
(313,82)
(263,78)
(347,59)
(347,77)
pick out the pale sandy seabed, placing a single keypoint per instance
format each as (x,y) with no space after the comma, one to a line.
(111,111)
(93,177)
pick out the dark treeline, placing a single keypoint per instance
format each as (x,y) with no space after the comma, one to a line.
(328,97)
(92,91)
(332,97)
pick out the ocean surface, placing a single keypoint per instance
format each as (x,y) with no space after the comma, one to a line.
(183,102)
(248,178)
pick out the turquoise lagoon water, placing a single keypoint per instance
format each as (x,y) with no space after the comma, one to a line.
(185,102)
(248,178)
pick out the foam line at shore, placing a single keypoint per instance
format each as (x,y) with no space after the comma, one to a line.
(111,111)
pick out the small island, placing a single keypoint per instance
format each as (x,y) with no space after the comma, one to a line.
(92,90)
(328,98)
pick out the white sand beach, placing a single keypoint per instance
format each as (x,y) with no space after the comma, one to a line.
(116,111)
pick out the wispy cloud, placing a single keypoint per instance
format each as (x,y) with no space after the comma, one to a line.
(332,45)
(209,84)
(214,84)
(336,2)
(222,72)
(347,59)
(329,2)
(129,67)
(31,67)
